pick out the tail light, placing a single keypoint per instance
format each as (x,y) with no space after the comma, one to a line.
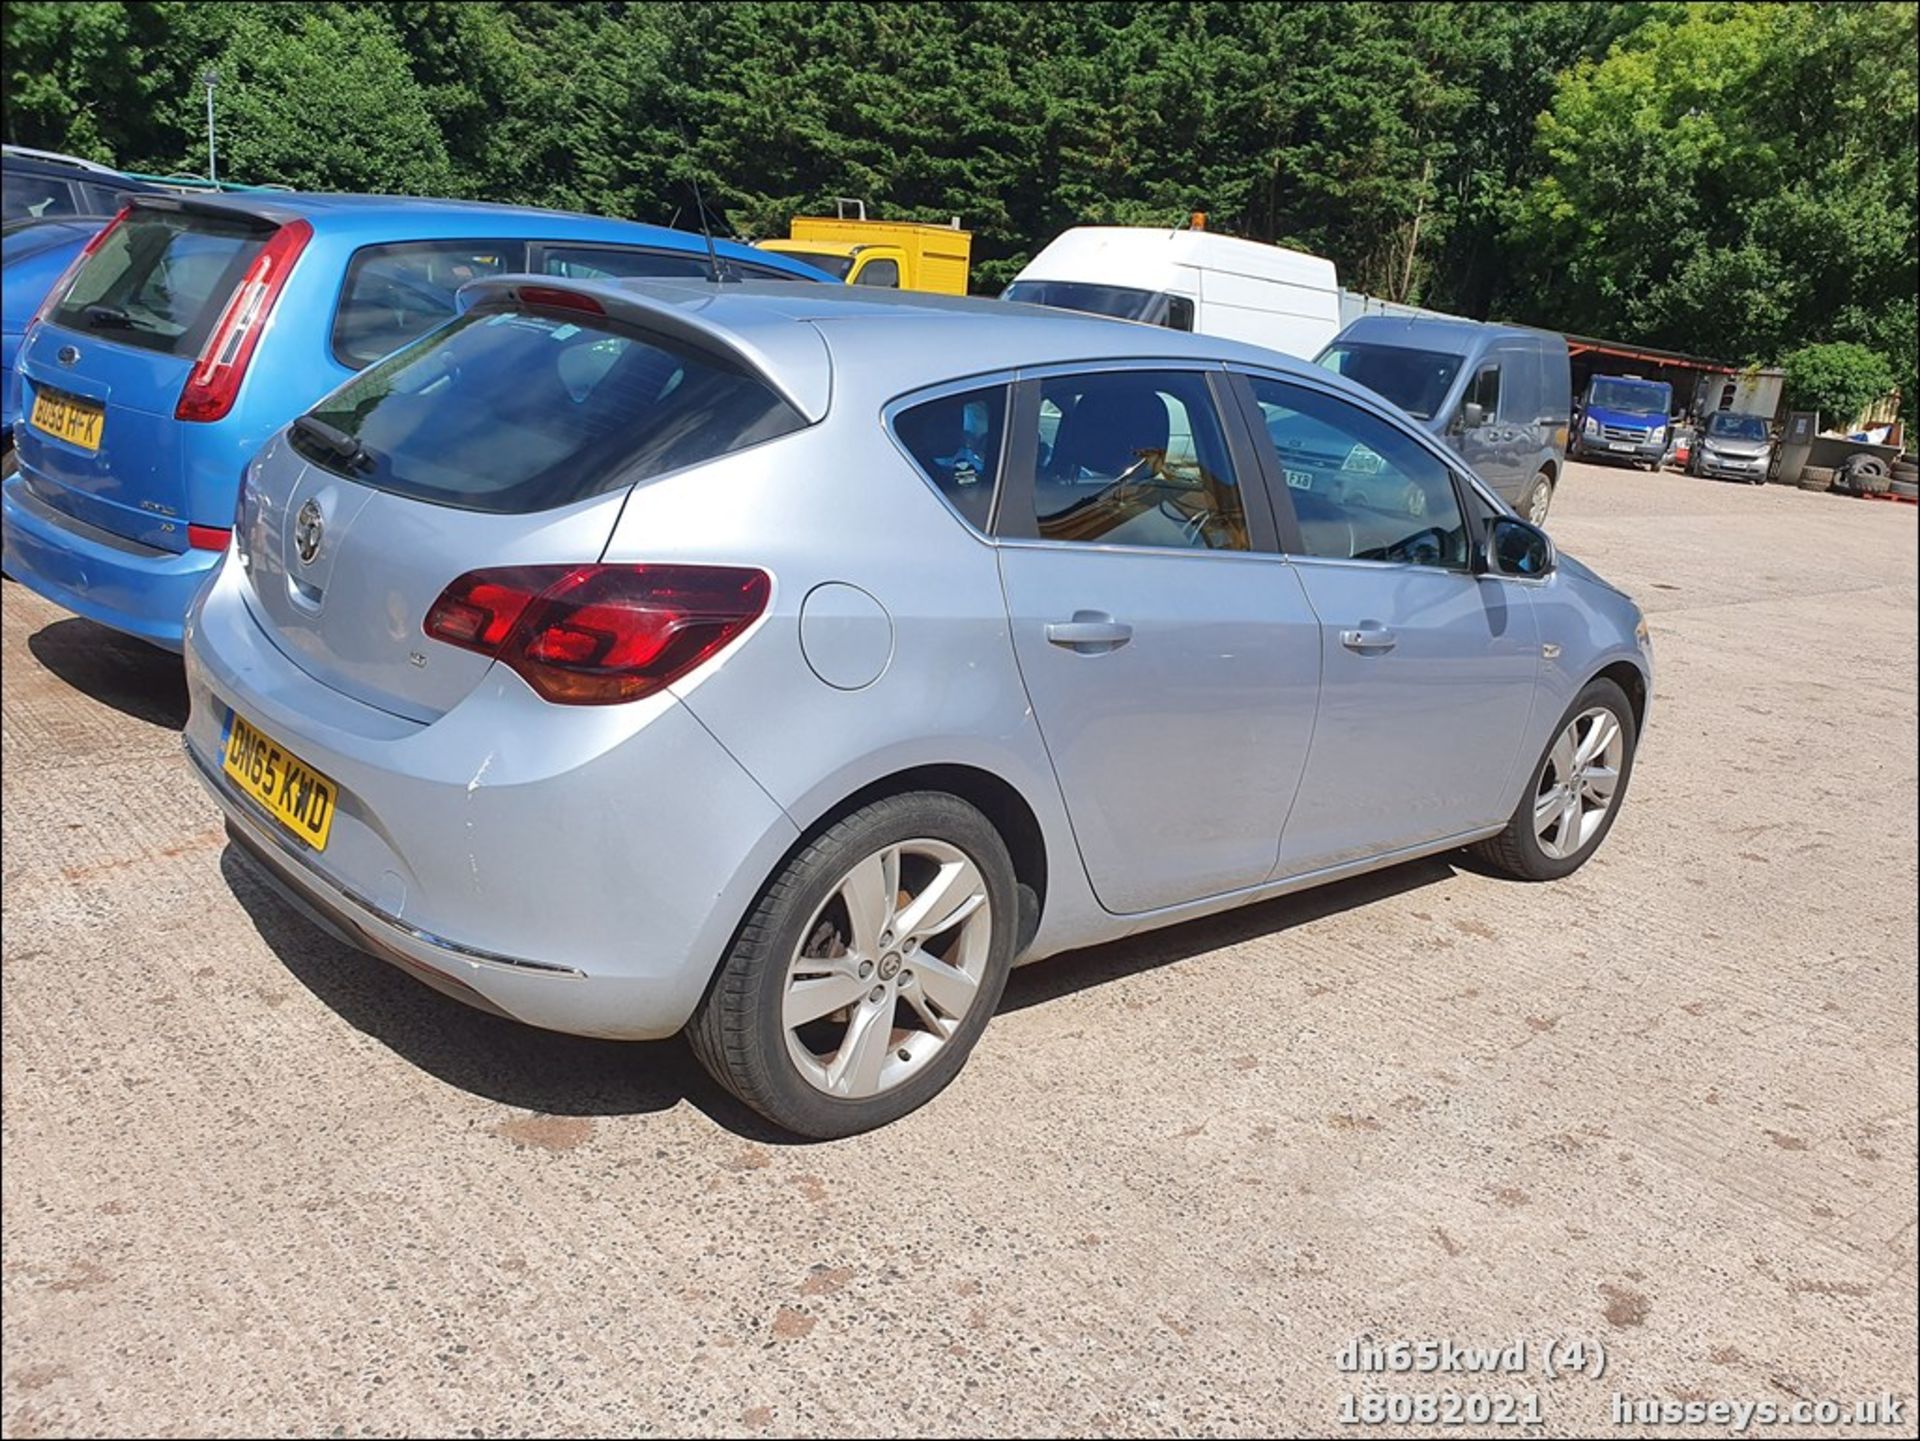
(215,381)
(599,634)
(65,283)
(208,537)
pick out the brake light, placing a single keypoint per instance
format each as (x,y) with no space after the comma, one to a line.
(65,283)
(215,381)
(208,537)
(552,297)
(599,634)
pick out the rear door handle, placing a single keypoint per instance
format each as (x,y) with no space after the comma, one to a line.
(1368,638)
(1090,630)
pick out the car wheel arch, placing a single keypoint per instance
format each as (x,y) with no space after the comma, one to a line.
(1631,679)
(992,795)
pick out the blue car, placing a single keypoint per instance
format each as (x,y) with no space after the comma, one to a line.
(193,327)
(33,254)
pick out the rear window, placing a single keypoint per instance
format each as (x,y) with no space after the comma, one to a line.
(160,279)
(394,293)
(513,413)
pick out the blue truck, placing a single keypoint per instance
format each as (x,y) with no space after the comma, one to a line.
(1622,417)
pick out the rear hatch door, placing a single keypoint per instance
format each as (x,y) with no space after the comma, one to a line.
(509,437)
(103,373)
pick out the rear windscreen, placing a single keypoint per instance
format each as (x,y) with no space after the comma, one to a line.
(513,413)
(160,279)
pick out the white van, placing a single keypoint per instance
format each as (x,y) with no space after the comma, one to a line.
(1189,280)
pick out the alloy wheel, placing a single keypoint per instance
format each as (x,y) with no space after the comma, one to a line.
(887,969)
(1578,782)
(1538,505)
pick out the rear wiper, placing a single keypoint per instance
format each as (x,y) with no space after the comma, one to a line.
(104,315)
(335,442)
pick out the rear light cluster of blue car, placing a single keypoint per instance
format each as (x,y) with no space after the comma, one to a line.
(214,382)
(599,634)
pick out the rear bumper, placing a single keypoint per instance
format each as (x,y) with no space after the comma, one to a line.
(579,869)
(121,584)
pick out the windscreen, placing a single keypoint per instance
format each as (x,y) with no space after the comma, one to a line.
(1120,301)
(1726,426)
(1415,380)
(512,412)
(838,266)
(1636,397)
(161,279)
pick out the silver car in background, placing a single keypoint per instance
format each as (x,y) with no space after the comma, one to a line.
(784,667)
(1732,447)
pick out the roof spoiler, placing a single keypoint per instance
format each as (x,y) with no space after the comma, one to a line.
(789,356)
(225,206)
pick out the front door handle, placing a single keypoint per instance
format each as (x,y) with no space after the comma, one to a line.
(1090,632)
(1368,639)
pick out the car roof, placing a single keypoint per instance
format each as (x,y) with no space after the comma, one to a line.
(390,212)
(890,341)
(1424,332)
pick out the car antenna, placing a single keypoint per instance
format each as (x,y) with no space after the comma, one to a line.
(713,255)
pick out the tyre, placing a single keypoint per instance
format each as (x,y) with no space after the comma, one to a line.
(1820,476)
(1905,470)
(1905,489)
(867,969)
(1575,792)
(1538,500)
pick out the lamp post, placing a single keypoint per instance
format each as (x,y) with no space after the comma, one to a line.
(210,78)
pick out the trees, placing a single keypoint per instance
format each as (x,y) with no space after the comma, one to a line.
(1839,379)
(1737,179)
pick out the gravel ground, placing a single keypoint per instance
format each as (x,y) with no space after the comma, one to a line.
(257,1183)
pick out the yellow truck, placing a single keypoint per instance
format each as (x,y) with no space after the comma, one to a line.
(900,254)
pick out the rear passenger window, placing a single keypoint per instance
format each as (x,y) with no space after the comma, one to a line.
(394,293)
(1135,457)
(1361,489)
(956,442)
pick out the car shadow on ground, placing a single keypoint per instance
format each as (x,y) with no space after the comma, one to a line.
(560,1075)
(116,670)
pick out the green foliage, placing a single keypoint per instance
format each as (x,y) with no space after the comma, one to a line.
(1733,179)
(1839,379)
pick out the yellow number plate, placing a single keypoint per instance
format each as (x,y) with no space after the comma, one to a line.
(296,795)
(76,421)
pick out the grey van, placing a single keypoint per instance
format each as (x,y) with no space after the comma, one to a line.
(1497,394)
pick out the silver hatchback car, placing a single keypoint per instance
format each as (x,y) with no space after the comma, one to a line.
(784,664)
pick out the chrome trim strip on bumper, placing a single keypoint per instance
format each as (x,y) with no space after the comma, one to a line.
(327,889)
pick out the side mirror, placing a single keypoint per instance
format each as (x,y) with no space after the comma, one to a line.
(1516,548)
(1472,416)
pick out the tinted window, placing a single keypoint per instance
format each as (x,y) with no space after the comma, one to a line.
(396,292)
(879,272)
(1362,489)
(1135,458)
(1179,313)
(1415,380)
(515,413)
(22,196)
(955,441)
(160,279)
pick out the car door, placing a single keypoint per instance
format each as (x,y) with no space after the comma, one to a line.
(1169,652)
(1486,446)
(1428,667)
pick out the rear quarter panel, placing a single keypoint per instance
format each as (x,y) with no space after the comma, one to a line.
(840,503)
